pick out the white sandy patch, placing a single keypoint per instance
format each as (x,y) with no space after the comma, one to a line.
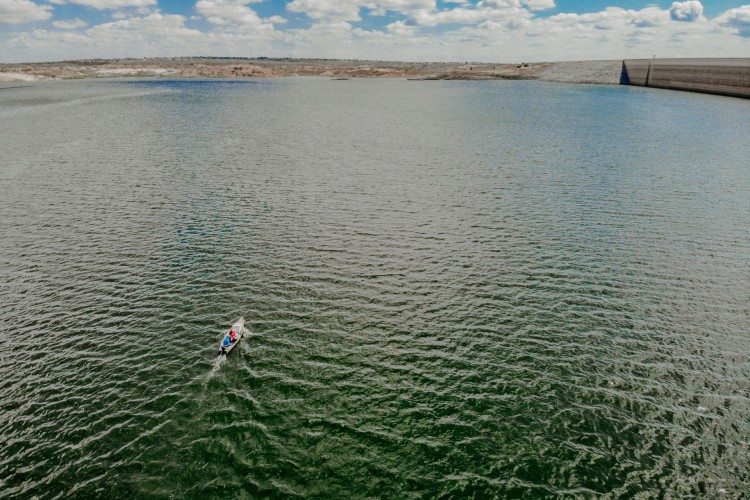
(17,77)
(134,71)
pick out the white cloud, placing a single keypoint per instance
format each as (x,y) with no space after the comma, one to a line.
(112,4)
(451,16)
(406,7)
(509,11)
(737,19)
(155,25)
(275,20)
(616,33)
(686,11)
(401,28)
(488,30)
(539,4)
(349,10)
(127,13)
(70,25)
(651,17)
(342,10)
(154,35)
(22,11)
(330,39)
(228,12)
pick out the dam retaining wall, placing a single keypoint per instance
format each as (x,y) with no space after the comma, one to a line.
(729,77)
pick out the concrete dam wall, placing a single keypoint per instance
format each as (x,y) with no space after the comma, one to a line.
(729,77)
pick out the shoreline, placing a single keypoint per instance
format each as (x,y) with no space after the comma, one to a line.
(585,72)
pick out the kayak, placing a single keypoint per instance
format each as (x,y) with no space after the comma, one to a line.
(239,327)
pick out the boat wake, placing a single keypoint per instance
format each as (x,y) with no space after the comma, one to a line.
(220,360)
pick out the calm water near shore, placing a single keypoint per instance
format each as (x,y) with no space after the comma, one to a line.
(454,288)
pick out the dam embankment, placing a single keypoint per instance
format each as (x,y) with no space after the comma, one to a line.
(729,77)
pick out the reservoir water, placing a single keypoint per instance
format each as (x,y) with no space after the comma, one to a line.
(453,289)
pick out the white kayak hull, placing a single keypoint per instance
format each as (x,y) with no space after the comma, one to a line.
(239,327)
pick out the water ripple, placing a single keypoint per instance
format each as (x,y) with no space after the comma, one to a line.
(448,293)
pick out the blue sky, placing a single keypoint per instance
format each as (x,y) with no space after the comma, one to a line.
(426,30)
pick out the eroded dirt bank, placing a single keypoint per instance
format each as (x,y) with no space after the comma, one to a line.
(602,72)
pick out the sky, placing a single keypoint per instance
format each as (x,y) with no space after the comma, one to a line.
(397,30)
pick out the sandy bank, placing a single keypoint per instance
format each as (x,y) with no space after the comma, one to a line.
(601,72)
(595,72)
(7,76)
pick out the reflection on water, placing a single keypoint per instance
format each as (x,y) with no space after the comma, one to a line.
(467,288)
